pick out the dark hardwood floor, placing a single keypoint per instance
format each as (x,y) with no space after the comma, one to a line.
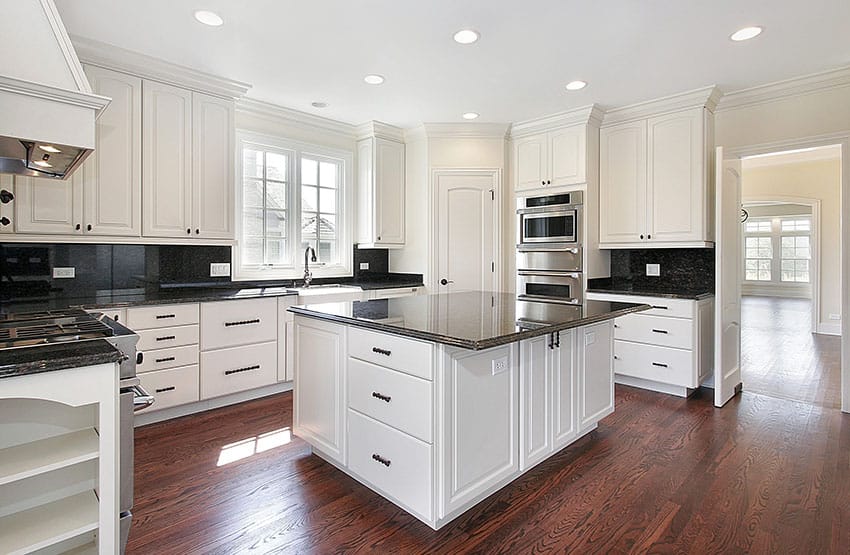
(660,475)
(780,357)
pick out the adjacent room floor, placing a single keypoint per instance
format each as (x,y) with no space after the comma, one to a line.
(781,357)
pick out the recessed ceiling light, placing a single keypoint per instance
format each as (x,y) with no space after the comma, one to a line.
(49,148)
(576,85)
(746,33)
(209,18)
(466,36)
(374,79)
(470,115)
(319,104)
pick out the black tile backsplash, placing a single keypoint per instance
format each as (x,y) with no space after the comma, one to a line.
(688,269)
(378,260)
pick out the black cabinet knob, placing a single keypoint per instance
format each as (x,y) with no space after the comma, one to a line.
(649,236)
(78,227)
(197,231)
(88,227)
(543,182)
(379,237)
(6,196)
(548,182)
(641,236)
(189,231)
(5,221)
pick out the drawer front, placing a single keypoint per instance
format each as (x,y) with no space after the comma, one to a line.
(397,292)
(405,355)
(394,463)
(165,316)
(160,359)
(659,364)
(674,308)
(232,323)
(398,400)
(173,387)
(162,338)
(239,368)
(656,330)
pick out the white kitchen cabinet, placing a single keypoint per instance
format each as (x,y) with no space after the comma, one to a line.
(226,371)
(397,292)
(564,387)
(212,176)
(596,374)
(380,192)
(285,339)
(530,162)
(551,159)
(48,206)
(238,322)
(655,187)
(319,399)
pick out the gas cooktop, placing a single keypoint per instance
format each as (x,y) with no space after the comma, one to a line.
(48,327)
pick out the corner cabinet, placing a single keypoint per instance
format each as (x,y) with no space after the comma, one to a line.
(550,159)
(655,186)
(380,192)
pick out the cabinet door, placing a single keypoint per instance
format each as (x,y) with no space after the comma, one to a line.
(212,178)
(622,183)
(112,175)
(596,376)
(319,418)
(389,192)
(564,390)
(48,206)
(568,155)
(676,176)
(7,209)
(530,164)
(167,160)
(535,397)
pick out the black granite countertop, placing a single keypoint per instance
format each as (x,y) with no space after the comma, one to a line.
(48,358)
(472,320)
(625,287)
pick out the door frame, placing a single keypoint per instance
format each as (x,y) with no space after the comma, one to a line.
(433,220)
(842,139)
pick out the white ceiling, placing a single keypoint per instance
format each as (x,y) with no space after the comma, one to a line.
(297,52)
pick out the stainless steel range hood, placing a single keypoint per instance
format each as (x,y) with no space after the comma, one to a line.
(47,109)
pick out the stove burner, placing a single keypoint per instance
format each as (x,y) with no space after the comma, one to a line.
(38,328)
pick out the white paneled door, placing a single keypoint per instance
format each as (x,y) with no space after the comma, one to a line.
(467,230)
(727,318)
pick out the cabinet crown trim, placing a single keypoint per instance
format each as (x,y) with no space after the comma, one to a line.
(458,130)
(706,97)
(788,88)
(104,55)
(379,130)
(260,109)
(591,115)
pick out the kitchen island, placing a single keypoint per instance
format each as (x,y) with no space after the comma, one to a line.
(437,401)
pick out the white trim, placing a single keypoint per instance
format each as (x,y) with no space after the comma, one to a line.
(592,114)
(659,245)
(706,97)
(830,328)
(464,130)
(793,157)
(108,56)
(788,88)
(63,41)
(260,109)
(379,130)
(770,289)
(46,92)
(111,239)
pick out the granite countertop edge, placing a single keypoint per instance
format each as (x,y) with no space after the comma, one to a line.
(649,293)
(75,356)
(474,345)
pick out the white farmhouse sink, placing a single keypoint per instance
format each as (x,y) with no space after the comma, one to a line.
(330,289)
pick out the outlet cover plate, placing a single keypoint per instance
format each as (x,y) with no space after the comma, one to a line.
(500,365)
(364,265)
(220,269)
(64,273)
(653,269)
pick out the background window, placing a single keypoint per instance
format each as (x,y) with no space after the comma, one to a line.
(759,256)
(778,249)
(319,202)
(265,186)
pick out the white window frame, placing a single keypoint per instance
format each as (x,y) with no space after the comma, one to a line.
(345,211)
(776,286)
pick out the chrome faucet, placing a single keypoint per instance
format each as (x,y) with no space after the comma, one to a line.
(308,275)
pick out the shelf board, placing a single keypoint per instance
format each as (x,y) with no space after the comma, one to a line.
(37,457)
(49,524)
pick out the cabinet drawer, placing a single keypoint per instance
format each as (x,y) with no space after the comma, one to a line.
(675,308)
(237,369)
(160,338)
(231,323)
(659,364)
(393,462)
(398,400)
(159,359)
(166,316)
(656,330)
(405,355)
(176,386)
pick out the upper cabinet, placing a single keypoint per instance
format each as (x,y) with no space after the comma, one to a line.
(551,159)
(655,182)
(212,176)
(380,192)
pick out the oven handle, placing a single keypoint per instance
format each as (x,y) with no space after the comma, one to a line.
(141,398)
(549,273)
(547,300)
(551,210)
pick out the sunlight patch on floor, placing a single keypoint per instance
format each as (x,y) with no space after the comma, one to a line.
(253,445)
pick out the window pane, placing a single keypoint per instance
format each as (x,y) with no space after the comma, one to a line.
(309,172)
(252,163)
(327,226)
(275,251)
(327,199)
(327,251)
(802,241)
(752,275)
(275,224)
(308,226)
(309,199)
(251,249)
(277,166)
(327,175)
(752,242)
(752,264)
(252,222)
(252,193)
(276,195)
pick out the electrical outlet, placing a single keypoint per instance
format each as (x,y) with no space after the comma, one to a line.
(653,269)
(835,316)
(500,365)
(364,265)
(220,269)
(64,273)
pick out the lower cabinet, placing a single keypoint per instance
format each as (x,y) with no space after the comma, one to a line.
(172,387)
(226,371)
(596,374)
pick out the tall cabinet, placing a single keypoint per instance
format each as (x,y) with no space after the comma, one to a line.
(380,187)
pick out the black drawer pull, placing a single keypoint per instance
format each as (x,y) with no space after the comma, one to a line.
(242,322)
(166,359)
(238,370)
(382,460)
(659,364)
(660,331)
(380,351)
(164,316)
(385,398)
(660,307)
(164,389)
(166,338)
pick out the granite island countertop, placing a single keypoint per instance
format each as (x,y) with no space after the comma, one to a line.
(471,320)
(57,356)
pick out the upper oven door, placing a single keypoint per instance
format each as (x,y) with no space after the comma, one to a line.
(536,228)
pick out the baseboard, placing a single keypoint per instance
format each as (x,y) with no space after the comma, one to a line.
(676,390)
(829,328)
(776,291)
(145,418)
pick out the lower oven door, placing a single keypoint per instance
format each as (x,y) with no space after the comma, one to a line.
(550,287)
(534,314)
(564,260)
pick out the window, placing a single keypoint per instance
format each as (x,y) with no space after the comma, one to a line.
(291,197)
(759,258)
(778,250)
(758,226)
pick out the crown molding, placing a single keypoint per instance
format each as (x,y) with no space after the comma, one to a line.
(112,57)
(380,130)
(707,97)
(788,88)
(590,115)
(46,92)
(464,130)
(801,156)
(261,109)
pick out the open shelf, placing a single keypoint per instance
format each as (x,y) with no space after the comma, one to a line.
(49,524)
(31,459)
